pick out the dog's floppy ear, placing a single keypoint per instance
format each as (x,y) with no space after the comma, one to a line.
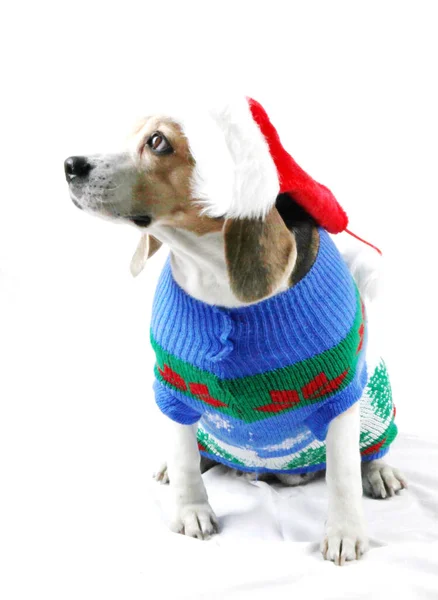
(147,246)
(260,254)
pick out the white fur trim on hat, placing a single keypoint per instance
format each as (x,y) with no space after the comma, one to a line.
(235,175)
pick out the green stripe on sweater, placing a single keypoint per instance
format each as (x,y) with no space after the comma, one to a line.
(258,397)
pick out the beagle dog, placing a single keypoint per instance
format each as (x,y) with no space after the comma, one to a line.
(223,260)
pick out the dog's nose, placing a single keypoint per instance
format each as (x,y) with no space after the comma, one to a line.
(76,166)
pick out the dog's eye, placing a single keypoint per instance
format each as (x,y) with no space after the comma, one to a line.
(159,144)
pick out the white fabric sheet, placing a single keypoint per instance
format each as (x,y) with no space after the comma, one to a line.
(80,437)
(269,538)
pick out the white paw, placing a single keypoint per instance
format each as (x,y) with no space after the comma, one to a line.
(161,474)
(248,475)
(293,480)
(379,480)
(344,541)
(195,520)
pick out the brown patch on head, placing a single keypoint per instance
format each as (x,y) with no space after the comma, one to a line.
(190,218)
(163,190)
(260,255)
(163,183)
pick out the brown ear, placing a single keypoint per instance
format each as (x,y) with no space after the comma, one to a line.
(147,246)
(259,253)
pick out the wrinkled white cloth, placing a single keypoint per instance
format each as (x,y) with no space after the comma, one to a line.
(81,516)
(268,546)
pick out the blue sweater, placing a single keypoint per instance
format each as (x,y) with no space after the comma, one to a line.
(264,381)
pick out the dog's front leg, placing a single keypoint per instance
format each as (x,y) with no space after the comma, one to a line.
(193,515)
(345,537)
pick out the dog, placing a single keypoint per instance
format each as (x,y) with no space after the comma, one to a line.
(233,254)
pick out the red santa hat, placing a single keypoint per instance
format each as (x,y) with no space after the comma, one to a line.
(317,200)
(243,169)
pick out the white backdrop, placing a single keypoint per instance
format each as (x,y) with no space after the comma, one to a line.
(351,87)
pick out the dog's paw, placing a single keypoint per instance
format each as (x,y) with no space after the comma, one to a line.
(344,541)
(247,475)
(161,475)
(294,480)
(195,520)
(379,480)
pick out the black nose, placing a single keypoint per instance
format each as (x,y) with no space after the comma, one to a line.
(76,166)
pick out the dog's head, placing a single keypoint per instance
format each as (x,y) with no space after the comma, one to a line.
(148,182)
(210,171)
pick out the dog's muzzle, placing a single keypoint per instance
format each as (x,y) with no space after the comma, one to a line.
(76,166)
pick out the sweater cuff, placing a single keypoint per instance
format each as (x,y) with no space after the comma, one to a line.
(172,407)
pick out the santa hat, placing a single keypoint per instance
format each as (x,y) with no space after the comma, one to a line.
(241,167)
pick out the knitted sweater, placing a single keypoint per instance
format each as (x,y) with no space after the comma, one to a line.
(265,380)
